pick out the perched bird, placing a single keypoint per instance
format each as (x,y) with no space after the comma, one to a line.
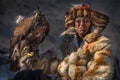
(33,28)
(30,31)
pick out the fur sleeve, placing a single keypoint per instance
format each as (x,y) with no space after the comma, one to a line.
(101,66)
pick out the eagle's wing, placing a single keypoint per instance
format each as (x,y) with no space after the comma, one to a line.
(21,30)
(33,28)
(30,32)
(38,34)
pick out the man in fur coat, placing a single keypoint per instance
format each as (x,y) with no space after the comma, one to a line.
(87,53)
(80,53)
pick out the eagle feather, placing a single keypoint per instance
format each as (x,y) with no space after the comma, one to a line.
(32,30)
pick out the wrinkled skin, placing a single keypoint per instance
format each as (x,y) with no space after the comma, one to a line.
(82,25)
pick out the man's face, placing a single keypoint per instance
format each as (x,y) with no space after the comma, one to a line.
(82,25)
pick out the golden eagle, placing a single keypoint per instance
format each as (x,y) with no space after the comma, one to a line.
(28,34)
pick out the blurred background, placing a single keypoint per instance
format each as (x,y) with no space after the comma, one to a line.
(55,11)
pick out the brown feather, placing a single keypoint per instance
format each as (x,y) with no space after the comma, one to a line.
(33,30)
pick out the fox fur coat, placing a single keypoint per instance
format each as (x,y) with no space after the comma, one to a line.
(73,61)
(90,61)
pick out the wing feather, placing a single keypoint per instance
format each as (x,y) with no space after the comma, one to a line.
(32,30)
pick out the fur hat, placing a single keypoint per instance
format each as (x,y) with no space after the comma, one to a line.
(84,10)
